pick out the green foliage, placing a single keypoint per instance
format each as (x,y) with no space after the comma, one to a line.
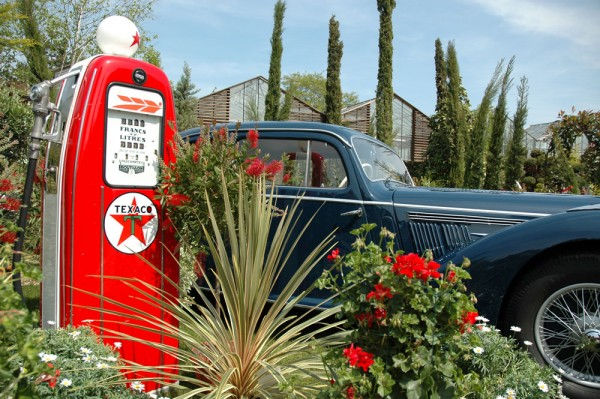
(475,153)
(503,368)
(90,368)
(385,92)
(16,120)
(414,333)
(441,74)
(494,156)
(517,153)
(37,59)
(150,54)
(11,42)
(185,102)
(286,107)
(274,90)
(311,88)
(333,95)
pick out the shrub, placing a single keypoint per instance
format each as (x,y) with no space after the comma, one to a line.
(412,329)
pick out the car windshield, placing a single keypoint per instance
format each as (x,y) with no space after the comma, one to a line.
(380,162)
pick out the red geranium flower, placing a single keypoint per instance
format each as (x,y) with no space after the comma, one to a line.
(451,276)
(408,265)
(333,255)
(379,293)
(272,168)
(252,137)
(470,317)
(177,199)
(387,258)
(364,319)
(357,357)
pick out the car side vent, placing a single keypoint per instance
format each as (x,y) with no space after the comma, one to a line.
(441,238)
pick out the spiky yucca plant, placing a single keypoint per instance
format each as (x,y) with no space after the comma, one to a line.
(236,343)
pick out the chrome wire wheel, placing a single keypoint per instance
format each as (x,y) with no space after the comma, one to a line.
(567,333)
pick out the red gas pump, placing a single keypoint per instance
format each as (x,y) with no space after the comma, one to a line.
(113,125)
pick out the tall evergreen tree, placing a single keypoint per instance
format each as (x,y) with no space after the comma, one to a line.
(286,107)
(385,92)
(35,54)
(333,93)
(185,102)
(439,141)
(494,155)
(458,111)
(274,86)
(517,152)
(475,153)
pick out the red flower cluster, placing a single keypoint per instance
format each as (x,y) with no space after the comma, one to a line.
(272,168)
(7,236)
(468,319)
(177,199)
(10,204)
(335,254)
(5,185)
(412,265)
(357,357)
(196,155)
(451,276)
(252,137)
(350,392)
(368,318)
(286,178)
(222,133)
(379,293)
(50,379)
(256,167)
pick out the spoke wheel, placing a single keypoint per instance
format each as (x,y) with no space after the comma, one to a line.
(567,331)
(557,305)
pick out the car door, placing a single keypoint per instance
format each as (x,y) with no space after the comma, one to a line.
(318,173)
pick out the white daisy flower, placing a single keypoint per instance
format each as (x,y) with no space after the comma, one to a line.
(542,386)
(481,318)
(138,386)
(51,322)
(515,328)
(47,357)
(117,345)
(478,350)
(511,393)
(85,350)
(500,397)
(557,379)
(101,365)
(485,329)
(65,382)
(75,333)
(88,358)
(528,343)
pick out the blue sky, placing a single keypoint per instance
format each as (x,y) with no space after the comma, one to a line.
(556,44)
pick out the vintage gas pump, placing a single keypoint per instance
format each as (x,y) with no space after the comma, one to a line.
(113,125)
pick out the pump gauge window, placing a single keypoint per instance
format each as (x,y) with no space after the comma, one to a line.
(133,137)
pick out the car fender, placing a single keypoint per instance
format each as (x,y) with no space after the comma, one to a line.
(498,260)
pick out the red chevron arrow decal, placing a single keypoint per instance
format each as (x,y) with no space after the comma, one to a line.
(138,104)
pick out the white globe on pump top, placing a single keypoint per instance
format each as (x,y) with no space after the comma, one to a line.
(117,35)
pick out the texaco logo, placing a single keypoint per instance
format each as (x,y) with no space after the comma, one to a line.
(131,223)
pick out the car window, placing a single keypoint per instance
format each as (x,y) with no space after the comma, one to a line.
(379,162)
(322,168)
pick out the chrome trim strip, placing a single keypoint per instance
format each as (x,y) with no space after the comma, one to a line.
(267,129)
(417,206)
(81,125)
(102,258)
(450,218)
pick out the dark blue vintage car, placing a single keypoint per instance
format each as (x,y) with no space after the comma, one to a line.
(535,257)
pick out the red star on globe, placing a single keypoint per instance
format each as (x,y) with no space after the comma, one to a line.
(133,224)
(136,39)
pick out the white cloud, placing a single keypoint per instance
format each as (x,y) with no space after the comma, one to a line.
(573,22)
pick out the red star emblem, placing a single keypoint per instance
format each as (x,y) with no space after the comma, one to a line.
(136,39)
(132,224)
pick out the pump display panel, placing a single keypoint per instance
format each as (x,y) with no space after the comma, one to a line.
(133,137)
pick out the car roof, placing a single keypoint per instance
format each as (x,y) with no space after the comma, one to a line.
(345,133)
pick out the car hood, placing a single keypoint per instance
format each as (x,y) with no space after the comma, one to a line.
(507,203)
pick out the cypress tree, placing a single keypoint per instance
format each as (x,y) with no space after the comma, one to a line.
(458,110)
(517,153)
(475,153)
(274,86)
(37,60)
(183,98)
(333,86)
(385,93)
(286,108)
(439,142)
(494,156)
